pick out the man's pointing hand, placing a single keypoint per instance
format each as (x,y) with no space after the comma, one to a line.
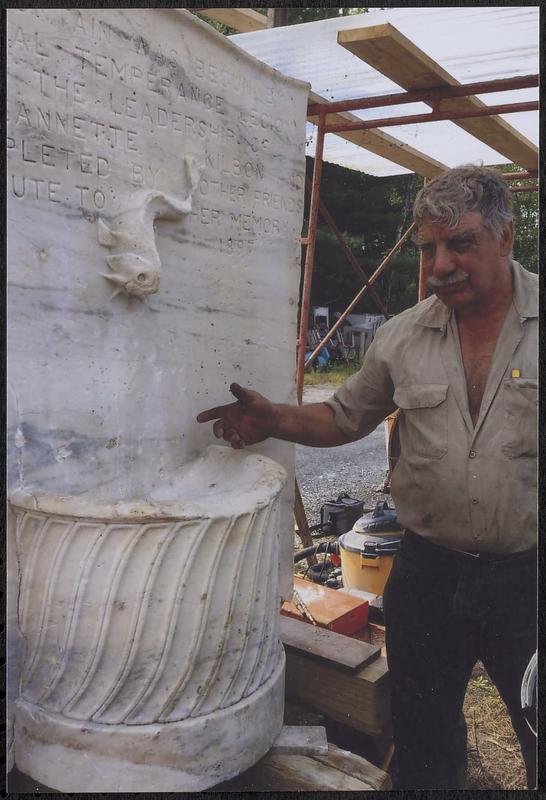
(248,421)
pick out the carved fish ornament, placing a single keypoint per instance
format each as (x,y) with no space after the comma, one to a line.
(134,263)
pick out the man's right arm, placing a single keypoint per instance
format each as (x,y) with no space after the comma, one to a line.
(313,425)
(253,418)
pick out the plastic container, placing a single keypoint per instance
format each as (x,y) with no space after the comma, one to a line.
(368,549)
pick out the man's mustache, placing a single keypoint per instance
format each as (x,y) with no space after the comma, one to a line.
(456,277)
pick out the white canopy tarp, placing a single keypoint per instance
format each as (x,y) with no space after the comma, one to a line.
(471,43)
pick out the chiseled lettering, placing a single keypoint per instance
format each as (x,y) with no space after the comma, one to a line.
(98,197)
(44,118)
(76,128)
(20,38)
(93,26)
(162,117)
(175,116)
(36,188)
(46,151)
(53,85)
(23,113)
(137,174)
(131,140)
(141,45)
(51,187)
(119,71)
(49,155)
(130,103)
(26,155)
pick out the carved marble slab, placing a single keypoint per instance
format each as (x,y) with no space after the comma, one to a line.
(155,202)
(103,106)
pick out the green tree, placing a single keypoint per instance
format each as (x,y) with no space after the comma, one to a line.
(526,222)
(372,213)
(299,15)
(295,16)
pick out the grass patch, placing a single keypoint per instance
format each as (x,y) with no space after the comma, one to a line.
(336,374)
(494,758)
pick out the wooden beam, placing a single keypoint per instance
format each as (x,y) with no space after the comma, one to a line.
(241,19)
(328,647)
(301,522)
(337,771)
(382,144)
(388,51)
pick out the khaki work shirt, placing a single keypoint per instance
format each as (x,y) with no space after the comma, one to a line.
(464,487)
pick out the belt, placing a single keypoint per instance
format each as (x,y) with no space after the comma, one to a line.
(421,543)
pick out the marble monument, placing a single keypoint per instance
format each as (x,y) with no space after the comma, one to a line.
(155,203)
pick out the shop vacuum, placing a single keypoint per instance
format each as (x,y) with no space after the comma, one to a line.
(360,560)
(367,550)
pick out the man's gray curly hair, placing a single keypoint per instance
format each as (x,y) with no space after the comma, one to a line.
(446,198)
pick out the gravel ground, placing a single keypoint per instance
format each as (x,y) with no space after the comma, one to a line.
(356,468)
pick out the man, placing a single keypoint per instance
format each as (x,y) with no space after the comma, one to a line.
(462,367)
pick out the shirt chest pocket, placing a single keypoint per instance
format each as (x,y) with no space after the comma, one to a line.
(520,418)
(424,424)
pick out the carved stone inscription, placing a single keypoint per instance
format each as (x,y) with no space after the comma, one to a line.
(93,97)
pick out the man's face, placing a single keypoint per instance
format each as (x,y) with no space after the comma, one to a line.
(465,265)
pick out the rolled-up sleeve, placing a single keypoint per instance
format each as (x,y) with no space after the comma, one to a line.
(366,398)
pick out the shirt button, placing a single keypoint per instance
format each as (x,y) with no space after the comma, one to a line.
(472,454)
(475,501)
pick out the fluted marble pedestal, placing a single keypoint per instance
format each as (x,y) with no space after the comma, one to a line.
(152,656)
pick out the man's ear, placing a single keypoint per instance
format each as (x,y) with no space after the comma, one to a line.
(507,238)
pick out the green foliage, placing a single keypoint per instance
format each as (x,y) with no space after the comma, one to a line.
(336,374)
(525,209)
(299,15)
(295,16)
(219,26)
(526,241)
(372,214)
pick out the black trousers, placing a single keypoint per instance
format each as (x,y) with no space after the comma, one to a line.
(444,611)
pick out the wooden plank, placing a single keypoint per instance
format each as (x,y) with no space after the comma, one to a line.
(241,19)
(360,700)
(382,144)
(356,766)
(327,646)
(303,740)
(395,56)
(301,522)
(338,770)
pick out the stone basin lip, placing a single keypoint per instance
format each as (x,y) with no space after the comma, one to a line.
(219,484)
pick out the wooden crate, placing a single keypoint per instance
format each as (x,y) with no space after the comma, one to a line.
(360,699)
